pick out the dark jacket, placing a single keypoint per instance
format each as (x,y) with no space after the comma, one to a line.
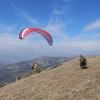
(83,61)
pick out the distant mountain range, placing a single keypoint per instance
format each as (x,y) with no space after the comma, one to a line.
(10,72)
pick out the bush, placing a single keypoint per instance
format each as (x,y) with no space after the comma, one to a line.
(37,70)
(19,78)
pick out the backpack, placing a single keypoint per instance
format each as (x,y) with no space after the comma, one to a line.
(83,61)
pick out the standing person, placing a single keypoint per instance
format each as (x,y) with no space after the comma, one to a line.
(83,62)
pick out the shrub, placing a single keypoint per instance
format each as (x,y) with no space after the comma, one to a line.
(19,78)
(37,70)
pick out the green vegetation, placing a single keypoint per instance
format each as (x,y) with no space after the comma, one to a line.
(19,78)
(37,70)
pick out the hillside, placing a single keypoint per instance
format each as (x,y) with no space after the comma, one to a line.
(10,72)
(65,82)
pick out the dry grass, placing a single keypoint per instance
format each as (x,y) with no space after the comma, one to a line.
(65,82)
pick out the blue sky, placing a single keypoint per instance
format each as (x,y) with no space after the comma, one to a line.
(73,24)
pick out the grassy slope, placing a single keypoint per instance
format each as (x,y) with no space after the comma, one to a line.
(65,82)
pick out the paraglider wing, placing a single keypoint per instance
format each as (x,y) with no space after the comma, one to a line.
(44,33)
